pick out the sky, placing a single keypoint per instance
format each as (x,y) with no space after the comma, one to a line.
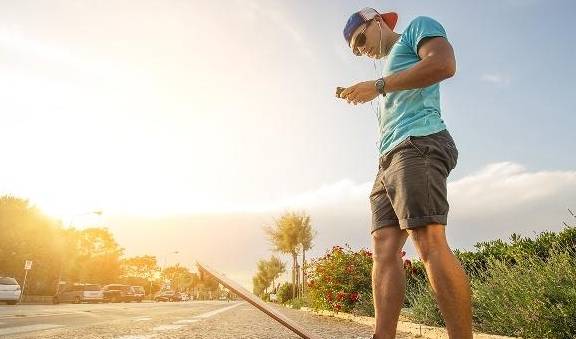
(191,124)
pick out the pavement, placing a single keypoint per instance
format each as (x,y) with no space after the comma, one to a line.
(192,319)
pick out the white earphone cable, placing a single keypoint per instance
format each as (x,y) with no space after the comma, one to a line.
(378,75)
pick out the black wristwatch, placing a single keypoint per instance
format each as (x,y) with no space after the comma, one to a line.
(380,83)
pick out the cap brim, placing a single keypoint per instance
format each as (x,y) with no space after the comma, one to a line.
(390,18)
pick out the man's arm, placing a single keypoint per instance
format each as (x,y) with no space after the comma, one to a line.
(437,63)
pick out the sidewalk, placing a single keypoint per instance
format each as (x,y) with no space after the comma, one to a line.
(418,330)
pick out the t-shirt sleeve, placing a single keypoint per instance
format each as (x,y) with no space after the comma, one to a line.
(423,27)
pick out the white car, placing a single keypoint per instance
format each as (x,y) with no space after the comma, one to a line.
(184,296)
(9,290)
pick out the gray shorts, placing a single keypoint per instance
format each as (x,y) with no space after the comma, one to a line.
(410,188)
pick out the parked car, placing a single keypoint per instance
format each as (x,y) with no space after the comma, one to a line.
(79,293)
(9,290)
(167,295)
(184,296)
(119,293)
(139,293)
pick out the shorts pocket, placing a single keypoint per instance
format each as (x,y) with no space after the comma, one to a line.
(422,149)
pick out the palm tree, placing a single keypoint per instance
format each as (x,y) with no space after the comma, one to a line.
(258,285)
(283,237)
(275,268)
(305,237)
(292,233)
(268,271)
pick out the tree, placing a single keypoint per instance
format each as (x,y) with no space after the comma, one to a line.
(268,271)
(283,237)
(291,234)
(258,283)
(305,237)
(142,268)
(27,234)
(275,268)
(97,257)
(177,275)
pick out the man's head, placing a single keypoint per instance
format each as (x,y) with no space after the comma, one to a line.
(368,32)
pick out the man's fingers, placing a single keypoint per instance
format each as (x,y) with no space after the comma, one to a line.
(345,92)
(349,91)
(352,95)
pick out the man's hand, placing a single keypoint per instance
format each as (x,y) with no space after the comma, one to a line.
(360,93)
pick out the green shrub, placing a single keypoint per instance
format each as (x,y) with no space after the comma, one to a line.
(475,263)
(285,292)
(530,298)
(298,303)
(364,306)
(523,288)
(535,298)
(423,306)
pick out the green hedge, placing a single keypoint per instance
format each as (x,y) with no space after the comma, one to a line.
(525,287)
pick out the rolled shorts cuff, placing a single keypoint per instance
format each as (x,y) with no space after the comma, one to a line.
(384,223)
(423,221)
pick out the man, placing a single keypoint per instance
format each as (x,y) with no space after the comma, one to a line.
(417,153)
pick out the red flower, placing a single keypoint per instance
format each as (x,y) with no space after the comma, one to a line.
(341,296)
(403,253)
(367,253)
(329,296)
(337,307)
(414,270)
(311,283)
(407,263)
(350,268)
(354,297)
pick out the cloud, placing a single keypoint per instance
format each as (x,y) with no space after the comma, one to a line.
(500,80)
(507,186)
(494,202)
(494,187)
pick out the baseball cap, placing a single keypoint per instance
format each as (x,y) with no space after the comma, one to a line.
(365,15)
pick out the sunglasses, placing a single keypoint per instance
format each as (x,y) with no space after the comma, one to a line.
(360,40)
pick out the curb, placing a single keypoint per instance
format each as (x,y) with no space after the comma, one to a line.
(418,330)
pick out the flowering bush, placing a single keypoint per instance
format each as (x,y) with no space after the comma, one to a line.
(339,279)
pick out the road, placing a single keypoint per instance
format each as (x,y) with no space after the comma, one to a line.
(193,319)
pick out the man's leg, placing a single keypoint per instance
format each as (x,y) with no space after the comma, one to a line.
(449,281)
(388,279)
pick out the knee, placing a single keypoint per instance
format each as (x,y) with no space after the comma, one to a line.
(385,257)
(387,248)
(428,242)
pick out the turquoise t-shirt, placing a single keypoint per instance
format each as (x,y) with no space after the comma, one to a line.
(413,112)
